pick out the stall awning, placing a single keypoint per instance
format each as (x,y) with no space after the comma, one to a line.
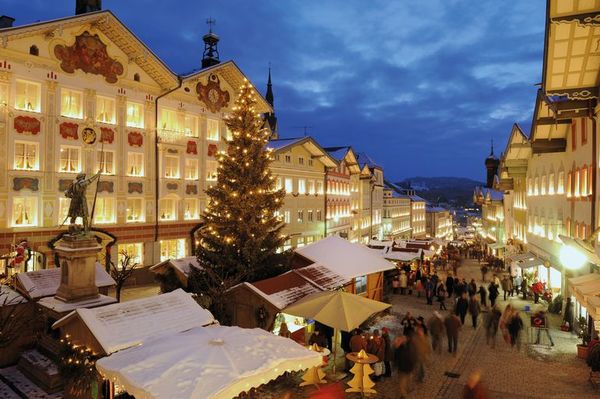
(593,307)
(584,287)
(498,245)
(518,257)
(529,263)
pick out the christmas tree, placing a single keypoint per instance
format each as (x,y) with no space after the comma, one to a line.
(242,235)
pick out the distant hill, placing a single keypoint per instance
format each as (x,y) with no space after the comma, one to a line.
(451,190)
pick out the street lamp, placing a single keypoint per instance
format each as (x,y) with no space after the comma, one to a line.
(575,252)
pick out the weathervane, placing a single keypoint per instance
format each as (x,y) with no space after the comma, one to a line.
(210,21)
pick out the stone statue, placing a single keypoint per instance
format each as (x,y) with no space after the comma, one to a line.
(78,206)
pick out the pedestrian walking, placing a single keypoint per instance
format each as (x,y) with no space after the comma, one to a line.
(462,306)
(441,296)
(568,314)
(472,287)
(511,286)
(449,285)
(396,284)
(492,321)
(474,310)
(493,293)
(504,320)
(524,288)
(403,282)
(452,324)
(515,325)
(483,295)
(504,284)
(429,287)
(436,330)
(408,324)
(389,352)
(484,271)
(422,351)
(404,356)
(518,282)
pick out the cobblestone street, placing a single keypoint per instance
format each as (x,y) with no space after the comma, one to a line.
(534,372)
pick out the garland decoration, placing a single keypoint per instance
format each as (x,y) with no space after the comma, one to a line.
(77,366)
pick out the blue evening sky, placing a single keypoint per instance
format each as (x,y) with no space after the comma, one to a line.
(421,86)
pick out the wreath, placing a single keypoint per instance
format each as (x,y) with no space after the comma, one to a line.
(262,314)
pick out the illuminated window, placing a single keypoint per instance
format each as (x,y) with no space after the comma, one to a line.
(300,216)
(24,211)
(569,185)
(301,160)
(212,129)
(590,183)
(287,245)
(63,211)
(309,215)
(191,126)
(301,186)
(71,103)
(311,186)
(70,159)
(3,94)
(135,252)
(135,115)
(310,162)
(360,285)
(135,210)
(544,184)
(106,162)
(135,164)
(168,120)
(228,134)
(309,240)
(104,212)
(172,249)
(288,159)
(26,156)
(278,184)
(289,185)
(319,187)
(191,169)
(171,167)
(28,96)
(168,209)
(536,186)
(212,168)
(551,184)
(190,209)
(287,217)
(583,182)
(576,184)
(319,215)
(105,110)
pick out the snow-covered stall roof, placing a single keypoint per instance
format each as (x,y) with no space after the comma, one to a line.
(215,362)
(45,282)
(322,277)
(183,265)
(122,325)
(402,255)
(344,258)
(284,289)
(9,297)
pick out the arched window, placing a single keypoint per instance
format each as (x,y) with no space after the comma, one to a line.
(576,230)
(544,185)
(551,184)
(34,50)
(583,182)
(561,183)
(576,184)
(569,185)
(136,77)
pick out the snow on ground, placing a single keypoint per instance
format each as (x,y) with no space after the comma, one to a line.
(27,388)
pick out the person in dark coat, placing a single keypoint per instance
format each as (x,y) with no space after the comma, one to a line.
(449,285)
(429,288)
(318,338)
(493,293)
(457,287)
(568,315)
(474,310)
(436,329)
(515,325)
(441,296)
(462,306)
(483,295)
(389,352)
(524,288)
(408,323)
(452,324)
(492,320)
(405,358)
(376,346)
(357,342)
(472,288)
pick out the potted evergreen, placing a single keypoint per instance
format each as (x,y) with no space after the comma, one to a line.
(583,333)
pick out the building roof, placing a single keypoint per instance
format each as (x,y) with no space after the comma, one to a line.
(45,282)
(322,277)
(344,258)
(279,144)
(126,324)
(284,289)
(338,152)
(9,297)
(364,159)
(431,208)
(309,143)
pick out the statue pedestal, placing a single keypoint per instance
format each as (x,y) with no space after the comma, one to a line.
(77,254)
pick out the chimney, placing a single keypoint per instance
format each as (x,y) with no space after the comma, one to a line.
(6,21)
(83,6)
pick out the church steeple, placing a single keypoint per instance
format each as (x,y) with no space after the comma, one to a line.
(210,56)
(270,118)
(491,165)
(269,95)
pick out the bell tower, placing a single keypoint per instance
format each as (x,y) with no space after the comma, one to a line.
(491,164)
(83,6)
(210,56)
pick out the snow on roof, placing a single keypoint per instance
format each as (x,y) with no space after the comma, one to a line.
(377,243)
(339,153)
(282,143)
(284,289)
(45,282)
(182,264)
(322,276)
(416,198)
(9,297)
(403,255)
(364,159)
(431,208)
(131,323)
(344,258)
(215,362)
